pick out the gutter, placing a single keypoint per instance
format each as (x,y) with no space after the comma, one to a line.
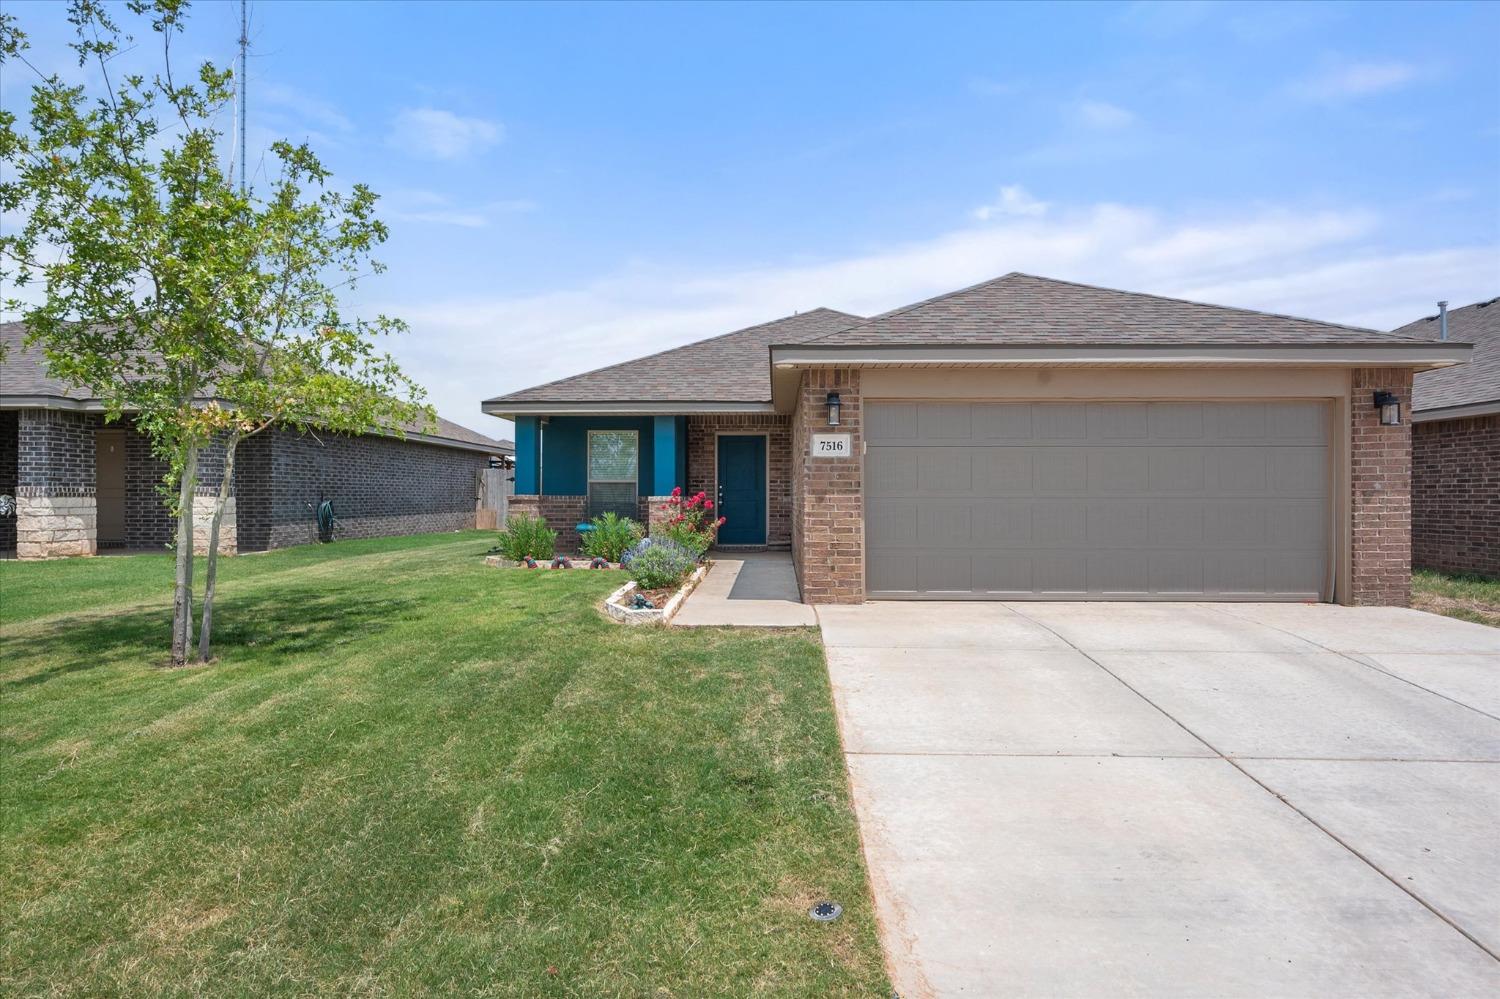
(1456,412)
(510,410)
(1423,354)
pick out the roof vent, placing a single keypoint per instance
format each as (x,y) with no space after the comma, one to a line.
(1442,320)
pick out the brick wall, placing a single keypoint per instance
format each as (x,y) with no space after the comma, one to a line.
(1455,514)
(827,498)
(148,519)
(703,462)
(562,513)
(379,486)
(10,428)
(1380,477)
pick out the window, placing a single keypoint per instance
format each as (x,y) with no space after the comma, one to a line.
(614,465)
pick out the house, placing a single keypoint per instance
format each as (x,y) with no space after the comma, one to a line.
(1455,510)
(82,484)
(1022,438)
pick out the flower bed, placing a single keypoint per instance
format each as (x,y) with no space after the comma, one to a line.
(617,604)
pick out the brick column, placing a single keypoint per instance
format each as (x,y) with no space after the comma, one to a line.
(1380,478)
(828,519)
(56,515)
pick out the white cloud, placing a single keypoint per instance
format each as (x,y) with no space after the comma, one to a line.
(1322,264)
(288,102)
(1102,114)
(1013,200)
(439,134)
(1358,79)
(414,205)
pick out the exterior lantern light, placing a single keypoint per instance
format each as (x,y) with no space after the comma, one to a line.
(1390,409)
(833,409)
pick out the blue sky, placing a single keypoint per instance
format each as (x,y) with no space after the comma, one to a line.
(569,186)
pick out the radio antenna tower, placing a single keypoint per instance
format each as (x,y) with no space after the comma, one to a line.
(243,80)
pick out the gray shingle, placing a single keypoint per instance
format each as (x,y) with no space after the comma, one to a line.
(734,367)
(1022,309)
(1465,384)
(24,374)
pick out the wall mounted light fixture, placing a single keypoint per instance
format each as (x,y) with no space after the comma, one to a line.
(833,409)
(1390,409)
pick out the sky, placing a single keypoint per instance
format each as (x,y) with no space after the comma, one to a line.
(568,186)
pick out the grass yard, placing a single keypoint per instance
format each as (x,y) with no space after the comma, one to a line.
(1469,598)
(410,773)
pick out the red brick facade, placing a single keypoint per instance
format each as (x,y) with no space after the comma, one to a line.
(1380,478)
(703,458)
(1455,514)
(828,516)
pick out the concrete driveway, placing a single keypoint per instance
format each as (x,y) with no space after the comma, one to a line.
(1175,799)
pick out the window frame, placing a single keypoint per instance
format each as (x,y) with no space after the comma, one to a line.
(588,458)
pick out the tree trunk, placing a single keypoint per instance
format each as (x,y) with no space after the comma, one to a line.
(211,571)
(182,592)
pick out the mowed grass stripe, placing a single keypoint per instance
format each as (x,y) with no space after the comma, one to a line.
(422,775)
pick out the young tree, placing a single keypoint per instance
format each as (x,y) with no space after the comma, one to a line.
(208,313)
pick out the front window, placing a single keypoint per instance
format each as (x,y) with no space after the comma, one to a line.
(614,466)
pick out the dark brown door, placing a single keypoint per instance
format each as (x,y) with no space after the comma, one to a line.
(109,485)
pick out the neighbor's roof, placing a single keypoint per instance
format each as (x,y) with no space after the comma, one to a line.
(1472,384)
(1021,309)
(729,368)
(26,382)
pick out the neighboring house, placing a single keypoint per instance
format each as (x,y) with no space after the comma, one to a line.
(82,484)
(1023,438)
(1456,447)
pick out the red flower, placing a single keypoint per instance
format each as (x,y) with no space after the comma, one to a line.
(708,505)
(720,521)
(676,490)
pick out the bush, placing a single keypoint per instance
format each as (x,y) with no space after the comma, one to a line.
(691,522)
(656,564)
(525,536)
(611,536)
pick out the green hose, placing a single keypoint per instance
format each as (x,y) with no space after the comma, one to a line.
(325,520)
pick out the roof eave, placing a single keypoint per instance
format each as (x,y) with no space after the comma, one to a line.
(786,360)
(626,407)
(1457,412)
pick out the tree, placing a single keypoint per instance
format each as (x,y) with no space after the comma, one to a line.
(208,312)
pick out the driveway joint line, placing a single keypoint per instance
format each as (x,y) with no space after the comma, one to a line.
(1279,797)
(1353,657)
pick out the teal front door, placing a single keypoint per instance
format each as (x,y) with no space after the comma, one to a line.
(742,489)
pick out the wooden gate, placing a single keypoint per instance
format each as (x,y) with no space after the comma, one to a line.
(495,487)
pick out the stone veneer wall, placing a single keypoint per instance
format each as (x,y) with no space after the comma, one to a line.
(703,462)
(828,522)
(1455,515)
(380,486)
(1380,477)
(55,511)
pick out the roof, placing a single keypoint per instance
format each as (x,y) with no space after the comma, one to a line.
(728,368)
(26,381)
(1474,384)
(1022,309)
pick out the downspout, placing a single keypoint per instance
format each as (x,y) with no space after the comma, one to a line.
(541,451)
(1442,320)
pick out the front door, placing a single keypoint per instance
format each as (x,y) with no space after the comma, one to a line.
(742,489)
(109,486)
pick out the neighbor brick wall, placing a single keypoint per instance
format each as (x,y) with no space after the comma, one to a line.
(1455,514)
(379,486)
(1380,478)
(55,485)
(827,497)
(703,461)
(10,428)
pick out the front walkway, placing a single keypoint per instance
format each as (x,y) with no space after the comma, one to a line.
(748,590)
(1175,799)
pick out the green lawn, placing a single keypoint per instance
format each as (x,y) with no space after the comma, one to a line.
(410,773)
(1470,598)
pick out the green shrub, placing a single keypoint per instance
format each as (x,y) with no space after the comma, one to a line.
(661,563)
(611,536)
(524,535)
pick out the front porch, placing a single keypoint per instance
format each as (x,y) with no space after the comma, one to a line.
(571,468)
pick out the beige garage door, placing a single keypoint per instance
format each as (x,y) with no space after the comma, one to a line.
(1097,501)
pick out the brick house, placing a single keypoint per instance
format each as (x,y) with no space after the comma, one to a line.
(82,484)
(1021,439)
(1455,509)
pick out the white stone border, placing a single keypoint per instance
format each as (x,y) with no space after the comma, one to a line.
(614,604)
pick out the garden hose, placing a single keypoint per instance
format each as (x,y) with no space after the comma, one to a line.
(326,519)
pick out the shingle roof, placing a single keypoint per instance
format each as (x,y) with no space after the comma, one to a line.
(1021,309)
(734,367)
(1466,384)
(24,374)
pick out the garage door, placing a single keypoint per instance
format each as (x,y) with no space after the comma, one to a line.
(1097,501)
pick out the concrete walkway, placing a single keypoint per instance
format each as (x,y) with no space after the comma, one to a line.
(1175,799)
(748,589)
